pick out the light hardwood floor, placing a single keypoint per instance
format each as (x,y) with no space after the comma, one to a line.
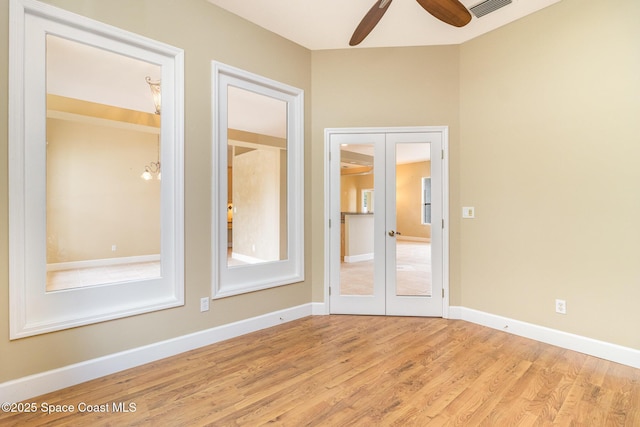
(362,371)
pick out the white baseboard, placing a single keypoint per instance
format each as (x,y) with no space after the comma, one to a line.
(102,262)
(246,258)
(46,382)
(604,350)
(358,258)
(319,308)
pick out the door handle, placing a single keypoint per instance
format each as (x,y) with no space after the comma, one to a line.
(394,233)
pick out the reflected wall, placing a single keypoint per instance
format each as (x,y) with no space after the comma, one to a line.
(90,238)
(103,218)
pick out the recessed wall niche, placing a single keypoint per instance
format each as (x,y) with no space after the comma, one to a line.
(91,239)
(258,147)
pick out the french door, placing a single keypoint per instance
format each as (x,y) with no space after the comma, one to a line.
(386,222)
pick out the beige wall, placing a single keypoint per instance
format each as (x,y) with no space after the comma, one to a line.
(550,125)
(257,219)
(358,237)
(546,151)
(256,204)
(206,33)
(411,86)
(409,199)
(351,187)
(95,195)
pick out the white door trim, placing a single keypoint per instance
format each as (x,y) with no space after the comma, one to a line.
(445,201)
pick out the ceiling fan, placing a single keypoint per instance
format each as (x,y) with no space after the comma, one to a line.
(451,12)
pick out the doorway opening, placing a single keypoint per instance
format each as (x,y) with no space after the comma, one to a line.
(388,255)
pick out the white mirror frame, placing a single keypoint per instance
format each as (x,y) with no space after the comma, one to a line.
(228,281)
(33,310)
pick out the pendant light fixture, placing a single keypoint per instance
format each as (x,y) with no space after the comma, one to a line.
(154,85)
(153,169)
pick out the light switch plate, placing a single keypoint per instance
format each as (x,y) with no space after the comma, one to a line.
(468,212)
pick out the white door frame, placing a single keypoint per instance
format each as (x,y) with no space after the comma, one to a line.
(445,201)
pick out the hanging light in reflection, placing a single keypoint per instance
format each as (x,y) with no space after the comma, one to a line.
(154,85)
(153,169)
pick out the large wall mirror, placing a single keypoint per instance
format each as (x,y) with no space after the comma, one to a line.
(257,182)
(96,141)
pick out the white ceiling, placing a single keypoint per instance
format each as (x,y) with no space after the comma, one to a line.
(329,24)
(84,72)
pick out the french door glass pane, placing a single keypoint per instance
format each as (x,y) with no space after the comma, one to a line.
(413,237)
(357,218)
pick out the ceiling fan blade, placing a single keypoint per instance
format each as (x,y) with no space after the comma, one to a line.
(451,12)
(369,21)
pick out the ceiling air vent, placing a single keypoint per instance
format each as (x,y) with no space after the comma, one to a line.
(488,6)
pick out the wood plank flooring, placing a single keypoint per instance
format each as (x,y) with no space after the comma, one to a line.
(360,371)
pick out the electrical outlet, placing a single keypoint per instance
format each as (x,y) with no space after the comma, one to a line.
(204,304)
(561,306)
(113,248)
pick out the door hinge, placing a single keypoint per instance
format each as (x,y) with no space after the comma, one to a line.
(442,292)
(443,224)
(329,290)
(329,223)
(442,154)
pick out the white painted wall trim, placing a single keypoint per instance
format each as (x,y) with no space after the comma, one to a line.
(604,350)
(46,382)
(246,258)
(358,258)
(445,202)
(319,308)
(228,281)
(32,311)
(102,262)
